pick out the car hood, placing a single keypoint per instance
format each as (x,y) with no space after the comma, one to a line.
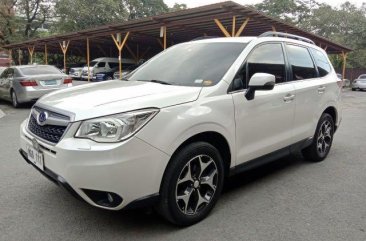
(115,96)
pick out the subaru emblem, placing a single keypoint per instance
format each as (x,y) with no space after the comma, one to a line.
(42,118)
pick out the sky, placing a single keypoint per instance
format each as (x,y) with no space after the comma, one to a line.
(196,3)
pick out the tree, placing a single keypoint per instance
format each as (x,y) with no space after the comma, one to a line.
(144,8)
(33,14)
(75,15)
(345,25)
(178,7)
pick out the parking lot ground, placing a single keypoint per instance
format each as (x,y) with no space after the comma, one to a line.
(285,200)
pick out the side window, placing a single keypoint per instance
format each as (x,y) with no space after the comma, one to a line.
(113,65)
(101,64)
(267,58)
(322,62)
(301,62)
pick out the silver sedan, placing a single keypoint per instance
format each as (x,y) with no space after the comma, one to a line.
(359,83)
(27,83)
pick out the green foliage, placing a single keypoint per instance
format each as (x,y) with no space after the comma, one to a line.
(76,15)
(345,25)
(178,7)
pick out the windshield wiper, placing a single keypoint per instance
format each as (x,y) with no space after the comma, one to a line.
(157,81)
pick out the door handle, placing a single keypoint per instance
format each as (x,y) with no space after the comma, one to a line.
(321,89)
(288,98)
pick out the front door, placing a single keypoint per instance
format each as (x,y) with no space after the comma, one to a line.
(264,124)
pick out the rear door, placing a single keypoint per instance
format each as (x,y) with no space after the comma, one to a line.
(310,89)
(264,124)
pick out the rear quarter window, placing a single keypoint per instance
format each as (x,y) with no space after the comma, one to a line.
(322,62)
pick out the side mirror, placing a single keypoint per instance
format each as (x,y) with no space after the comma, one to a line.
(260,81)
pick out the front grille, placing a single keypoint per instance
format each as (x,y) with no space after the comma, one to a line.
(51,133)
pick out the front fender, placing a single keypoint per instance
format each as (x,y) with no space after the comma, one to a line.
(175,124)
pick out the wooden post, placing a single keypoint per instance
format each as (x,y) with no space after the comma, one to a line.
(19,57)
(164,37)
(45,54)
(233,27)
(119,46)
(88,57)
(31,51)
(344,55)
(10,57)
(64,46)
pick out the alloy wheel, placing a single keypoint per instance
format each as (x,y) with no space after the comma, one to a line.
(196,184)
(324,139)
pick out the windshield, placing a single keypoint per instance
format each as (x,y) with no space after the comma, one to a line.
(362,77)
(190,64)
(38,70)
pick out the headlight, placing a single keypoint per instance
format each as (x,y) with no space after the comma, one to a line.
(115,128)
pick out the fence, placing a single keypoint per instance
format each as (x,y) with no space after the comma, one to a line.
(352,74)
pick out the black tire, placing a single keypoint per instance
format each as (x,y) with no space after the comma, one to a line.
(14,99)
(353,89)
(172,206)
(322,140)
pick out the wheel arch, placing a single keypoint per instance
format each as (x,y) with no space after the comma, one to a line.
(332,111)
(212,137)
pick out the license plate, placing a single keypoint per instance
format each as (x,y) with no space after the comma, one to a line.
(50,82)
(35,157)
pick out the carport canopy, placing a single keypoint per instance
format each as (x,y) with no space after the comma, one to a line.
(143,38)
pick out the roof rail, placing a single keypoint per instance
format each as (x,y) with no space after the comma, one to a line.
(286,35)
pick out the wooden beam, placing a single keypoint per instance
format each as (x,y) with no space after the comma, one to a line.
(242,27)
(102,50)
(120,47)
(160,42)
(45,54)
(31,51)
(131,52)
(222,28)
(145,52)
(233,27)
(64,47)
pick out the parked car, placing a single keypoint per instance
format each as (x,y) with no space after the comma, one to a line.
(27,83)
(191,116)
(75,72)
(103,65)
(359,83)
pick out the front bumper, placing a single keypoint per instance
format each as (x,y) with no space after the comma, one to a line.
(131,169)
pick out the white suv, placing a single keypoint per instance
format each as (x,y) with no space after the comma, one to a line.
(196,113)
